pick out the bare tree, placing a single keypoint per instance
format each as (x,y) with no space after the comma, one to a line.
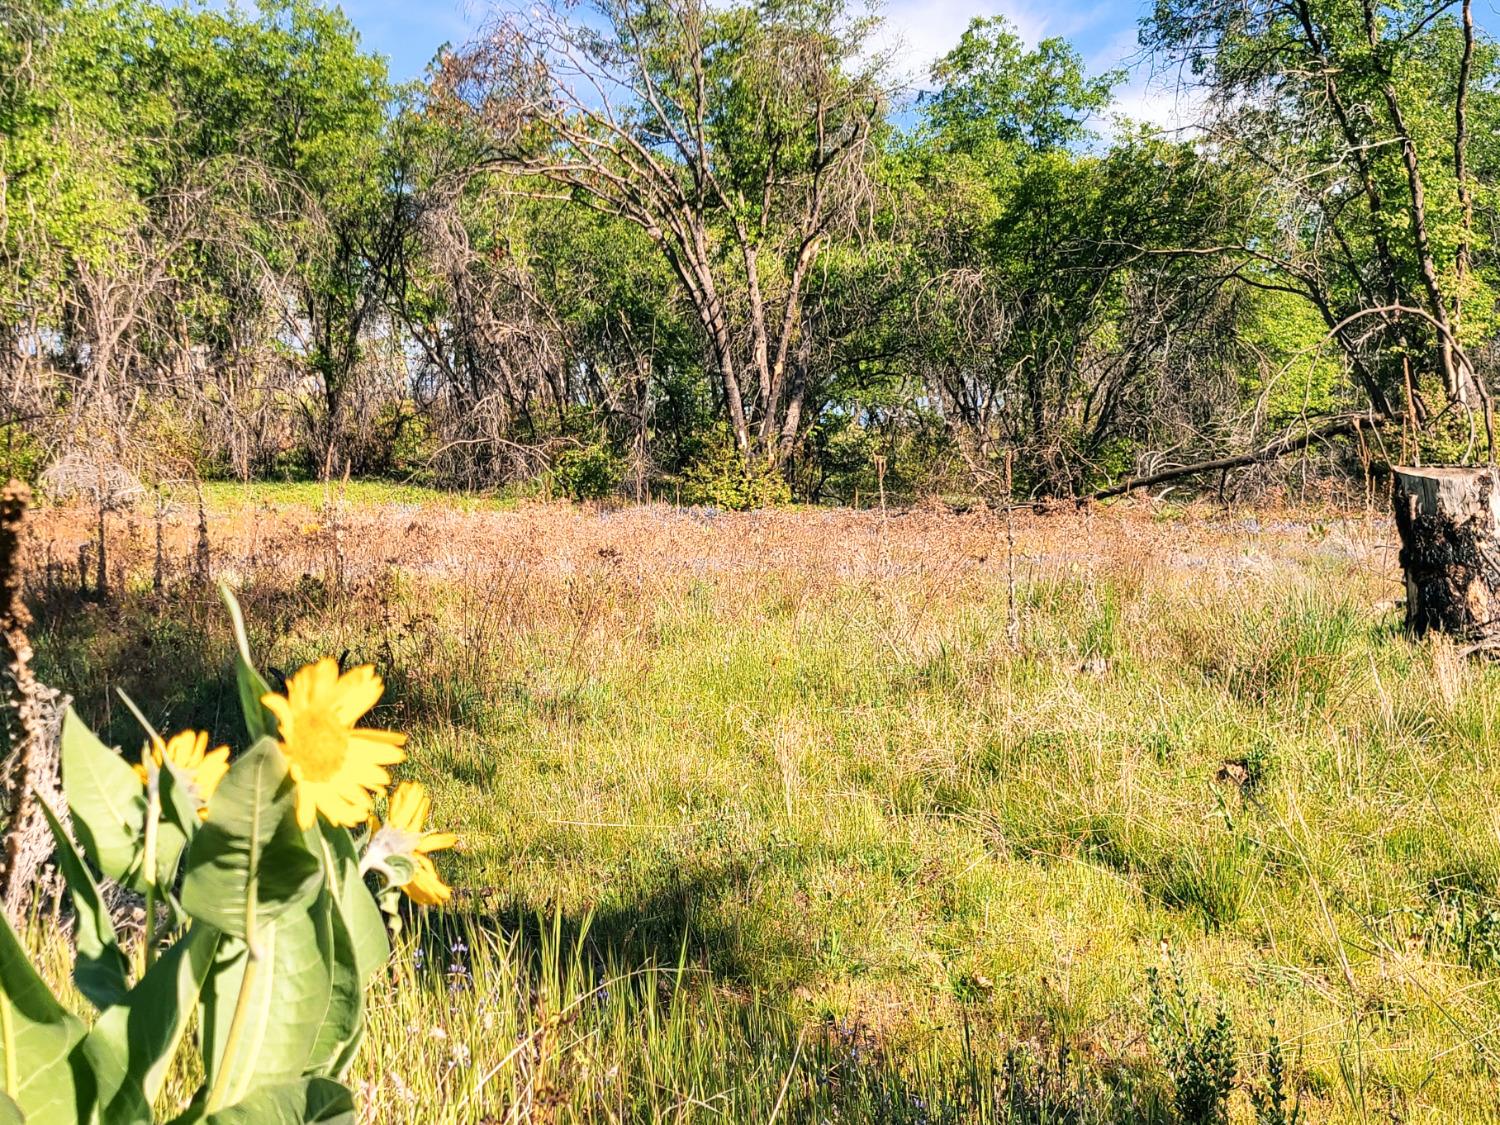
(736,138)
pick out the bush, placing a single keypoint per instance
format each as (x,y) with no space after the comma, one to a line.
(21,454)
(588,472)
(400,442)
(721,478)
(1196,1051)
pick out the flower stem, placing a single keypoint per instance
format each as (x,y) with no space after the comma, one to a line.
(148,862)
(220,1090)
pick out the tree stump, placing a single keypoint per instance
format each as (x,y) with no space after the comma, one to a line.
(1449,522)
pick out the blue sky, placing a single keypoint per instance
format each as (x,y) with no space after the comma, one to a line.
(410,33)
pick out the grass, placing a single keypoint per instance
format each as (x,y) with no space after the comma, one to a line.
(230,496)
(764,817)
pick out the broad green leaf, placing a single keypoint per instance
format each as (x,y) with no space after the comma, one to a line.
(132,1044)
(10,1112)
(37,1036)
(106,799)
(179,822)
(259,722)
(287,997)
(100,969)
(343,1021)
(372,949)
(249,863)
(314,1101)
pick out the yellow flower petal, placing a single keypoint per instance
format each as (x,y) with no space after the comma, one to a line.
(426,886)
(436,842)
(406,813)
(358,690)
(337,767)
(188,751)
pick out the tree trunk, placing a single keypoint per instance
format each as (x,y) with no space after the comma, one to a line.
(1449,522)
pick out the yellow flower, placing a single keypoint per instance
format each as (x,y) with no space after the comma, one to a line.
(402,835)
(189,752)
(337,766)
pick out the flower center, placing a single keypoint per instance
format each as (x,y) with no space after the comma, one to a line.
(320,746)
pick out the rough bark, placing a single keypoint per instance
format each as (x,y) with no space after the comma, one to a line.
(1449,523)
(31,714)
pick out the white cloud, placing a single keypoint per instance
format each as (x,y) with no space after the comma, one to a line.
(919,32)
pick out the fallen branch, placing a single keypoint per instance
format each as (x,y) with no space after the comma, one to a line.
(1287,443)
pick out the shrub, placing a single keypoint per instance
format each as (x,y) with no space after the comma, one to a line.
(1268,1097)
(1196,1051)
(274,932)
(588,472)
(22,455)
(721,478)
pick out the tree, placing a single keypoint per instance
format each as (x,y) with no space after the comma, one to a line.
(1042,321)
(1358,120)
(735,137)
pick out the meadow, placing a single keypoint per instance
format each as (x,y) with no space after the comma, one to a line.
(1126,814)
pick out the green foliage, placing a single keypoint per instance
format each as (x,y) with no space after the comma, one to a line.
(1269,1097)
(22,455)
(1364,210)
(1196,1051)
(722,478)
(1299,372)
(992,93)
(274,936)
(588,472)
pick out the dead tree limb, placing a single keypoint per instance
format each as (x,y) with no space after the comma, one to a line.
(1287,443)
(29,714)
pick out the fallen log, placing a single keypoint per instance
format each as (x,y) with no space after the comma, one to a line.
(1287,443)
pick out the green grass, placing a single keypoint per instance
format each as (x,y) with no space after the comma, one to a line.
(229,496)
(834,850)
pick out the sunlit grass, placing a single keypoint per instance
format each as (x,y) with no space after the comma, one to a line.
(819,801)
(225,496)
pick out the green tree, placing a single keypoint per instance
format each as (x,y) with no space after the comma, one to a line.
(736,138)
(1369,128)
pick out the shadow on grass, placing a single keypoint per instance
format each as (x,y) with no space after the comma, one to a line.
(624,982)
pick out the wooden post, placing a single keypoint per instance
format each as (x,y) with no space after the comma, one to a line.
(1449,523)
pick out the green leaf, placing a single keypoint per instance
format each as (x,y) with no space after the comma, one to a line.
(106,799)
(10,1112)
(287,990)
(342,1026)
(397,869)
(249,863)
(259,722)
(101,969)
(140,716)
(37,1036)
(179,822)
(133,1043)
(372,949)
(315,1101)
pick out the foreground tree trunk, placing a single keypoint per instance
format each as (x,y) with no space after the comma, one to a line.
(1449,522)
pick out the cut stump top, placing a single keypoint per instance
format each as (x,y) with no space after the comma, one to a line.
(1456,492)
